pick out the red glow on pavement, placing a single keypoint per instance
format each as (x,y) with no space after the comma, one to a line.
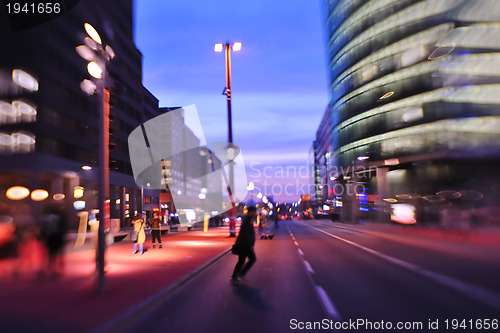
(49,297)
(196,243)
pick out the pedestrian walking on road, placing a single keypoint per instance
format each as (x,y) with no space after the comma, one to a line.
(155,229)
(138,235)
(245,244)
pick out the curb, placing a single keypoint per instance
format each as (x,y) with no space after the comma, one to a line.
(127,318)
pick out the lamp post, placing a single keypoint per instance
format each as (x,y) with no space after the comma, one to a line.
(227,91)
(97,55)
(250,188)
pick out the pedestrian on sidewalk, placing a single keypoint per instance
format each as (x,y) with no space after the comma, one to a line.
(245,243)
(155,228)
(138,235)
(53,229)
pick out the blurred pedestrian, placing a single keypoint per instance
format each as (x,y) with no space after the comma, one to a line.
(138,235)
(53,228)
(245,244)
(29,249)
(276,220)
(155,228)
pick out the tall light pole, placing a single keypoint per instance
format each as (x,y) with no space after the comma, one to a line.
(97,55)
(250,188)
(227,91)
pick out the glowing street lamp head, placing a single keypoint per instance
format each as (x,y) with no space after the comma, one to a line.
(88,87)
(110,52)
(218,47)
(85,52)
(237,46)
(94,69)
(92,33)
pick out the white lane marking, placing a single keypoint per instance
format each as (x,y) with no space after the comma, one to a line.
(295,242)
(481,294)
(308,267)
(328,306)
(327,303)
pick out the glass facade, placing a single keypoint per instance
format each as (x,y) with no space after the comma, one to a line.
(413,82)
(396,65)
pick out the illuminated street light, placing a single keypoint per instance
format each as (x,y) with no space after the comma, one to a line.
(110,52)
(218,47)
(97,55)
(92,33)
(227,91)
(85,52)
(88,87)
(250,188)
(237,46)
(94,69)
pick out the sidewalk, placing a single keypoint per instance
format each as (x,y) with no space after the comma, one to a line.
(70,303)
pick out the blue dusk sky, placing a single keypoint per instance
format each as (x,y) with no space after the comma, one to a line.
(279,78)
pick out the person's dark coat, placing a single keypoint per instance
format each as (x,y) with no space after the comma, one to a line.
(246,237)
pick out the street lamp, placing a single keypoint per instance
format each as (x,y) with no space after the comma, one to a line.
(250,188)
(227,91)
(230,148)
(97,55)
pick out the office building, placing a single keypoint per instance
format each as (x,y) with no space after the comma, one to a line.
(414,105)
(49,128)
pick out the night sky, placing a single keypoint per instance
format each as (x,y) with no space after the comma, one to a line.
(279,78)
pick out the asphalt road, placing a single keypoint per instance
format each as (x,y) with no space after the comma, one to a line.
(317,271)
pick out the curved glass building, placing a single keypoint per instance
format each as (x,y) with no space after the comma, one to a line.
(415,104)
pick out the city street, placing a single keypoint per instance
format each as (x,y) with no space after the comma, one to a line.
(138,138)
(315,270)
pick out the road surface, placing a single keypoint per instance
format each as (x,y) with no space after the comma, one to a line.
(328,274)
